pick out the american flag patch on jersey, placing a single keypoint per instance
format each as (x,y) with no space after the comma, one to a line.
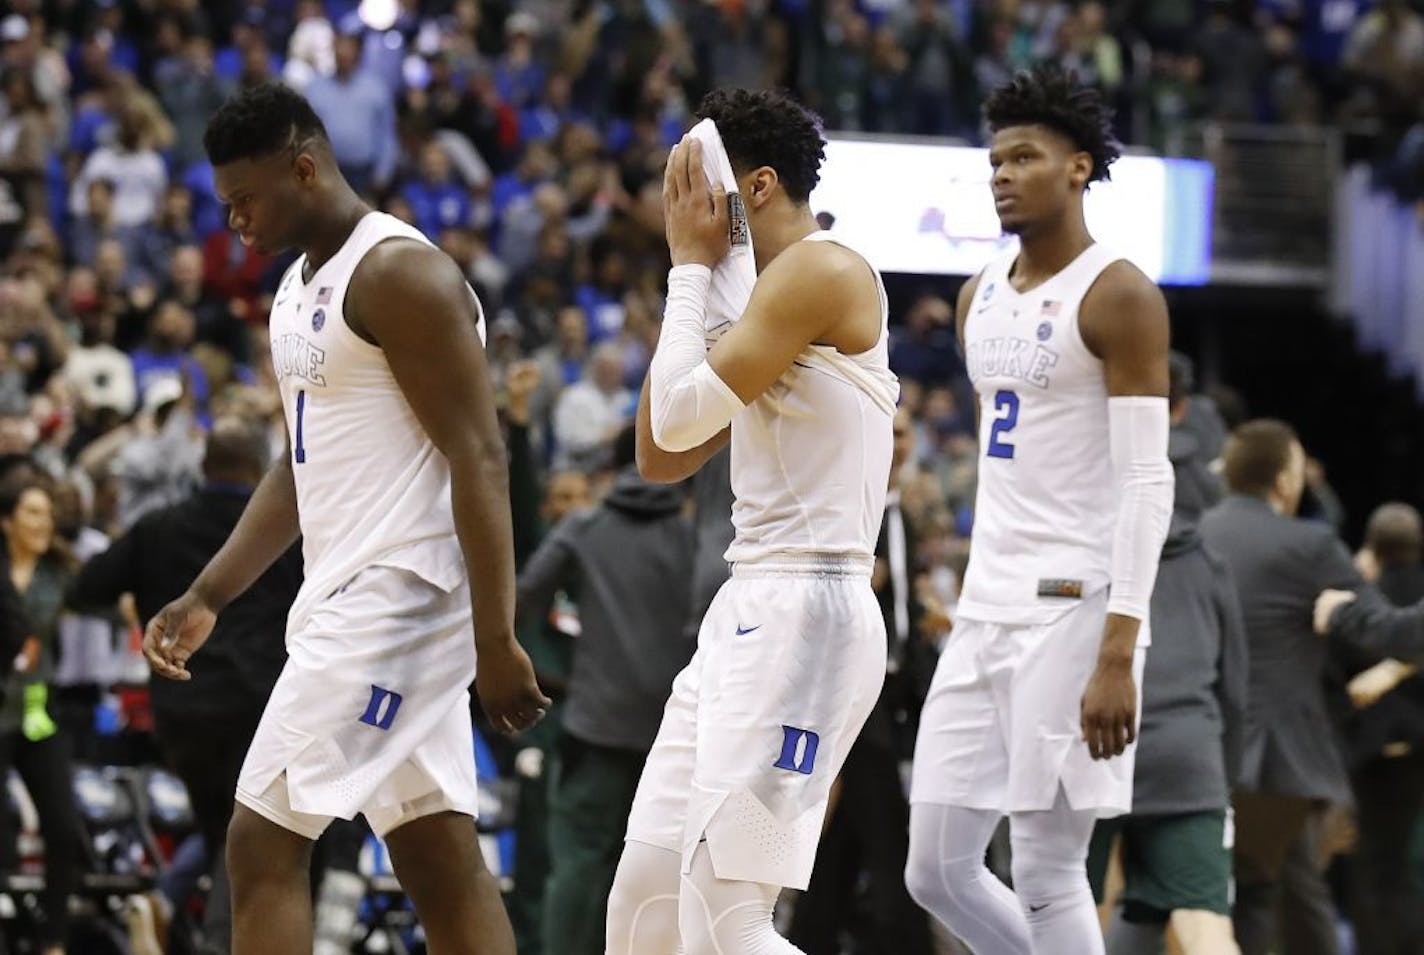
(1051,307)
(323,295)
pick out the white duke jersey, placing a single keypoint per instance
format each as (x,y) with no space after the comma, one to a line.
(811,456)
(1046,506)
(371,486)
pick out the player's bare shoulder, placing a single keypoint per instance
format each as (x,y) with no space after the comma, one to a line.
(834,281)
(1123,304)
(403,279)
(401,267)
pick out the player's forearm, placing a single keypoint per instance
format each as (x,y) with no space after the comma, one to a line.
(1143,475)
(688,403)
(479,488)
(267,528)
(669,467)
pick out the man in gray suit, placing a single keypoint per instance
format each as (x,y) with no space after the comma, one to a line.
(1292,767)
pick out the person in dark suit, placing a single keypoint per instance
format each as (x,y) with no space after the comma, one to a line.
(867,828)
(1381,712)
(1292,766)
(204,725)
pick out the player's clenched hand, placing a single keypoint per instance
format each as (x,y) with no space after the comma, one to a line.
(1326,604)
(509,693)
(176,633)
(1110,709)
(699,229)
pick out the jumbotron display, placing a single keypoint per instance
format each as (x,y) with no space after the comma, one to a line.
(925,208)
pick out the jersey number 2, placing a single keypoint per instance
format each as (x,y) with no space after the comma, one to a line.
(1006,404)
(299,453)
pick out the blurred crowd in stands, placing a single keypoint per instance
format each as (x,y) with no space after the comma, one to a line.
(527,139)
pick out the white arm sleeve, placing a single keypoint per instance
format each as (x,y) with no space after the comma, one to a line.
(689,403)
(1143,476)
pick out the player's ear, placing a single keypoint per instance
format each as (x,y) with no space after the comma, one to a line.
(305,168)
(1080,169)
(760,183)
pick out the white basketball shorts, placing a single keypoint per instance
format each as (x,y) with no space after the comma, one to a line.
(372,712)
(790,661)
(1002,727)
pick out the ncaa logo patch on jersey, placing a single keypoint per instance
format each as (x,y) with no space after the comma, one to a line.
(1045,331)
(318,319)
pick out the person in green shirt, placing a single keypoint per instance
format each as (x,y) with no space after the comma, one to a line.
(29,739)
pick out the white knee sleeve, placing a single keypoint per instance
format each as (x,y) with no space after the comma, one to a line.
(642,908)
(947,877)
(1051,879)
(721,917)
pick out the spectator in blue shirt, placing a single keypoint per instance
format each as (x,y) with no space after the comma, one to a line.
(436,200)
(248,33)
(164,356)
(536,166)
(359,116)
(519,76)
(551,112)
(602,298)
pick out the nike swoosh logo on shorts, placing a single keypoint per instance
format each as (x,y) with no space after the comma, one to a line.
(743,631)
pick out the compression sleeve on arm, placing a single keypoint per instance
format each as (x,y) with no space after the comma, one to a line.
(689,404)
(1143,477)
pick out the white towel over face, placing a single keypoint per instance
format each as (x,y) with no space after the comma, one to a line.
(734,276)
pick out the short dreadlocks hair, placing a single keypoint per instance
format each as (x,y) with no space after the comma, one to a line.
(1054,97)
(769,128)
(259,121)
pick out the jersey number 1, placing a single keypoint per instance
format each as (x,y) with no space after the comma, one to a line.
(1006,404)
(299,453)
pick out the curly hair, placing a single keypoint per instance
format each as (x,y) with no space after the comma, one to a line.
(1054,97)
(769,128)
(259,121)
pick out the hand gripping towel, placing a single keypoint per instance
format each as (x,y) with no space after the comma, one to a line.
(734,276)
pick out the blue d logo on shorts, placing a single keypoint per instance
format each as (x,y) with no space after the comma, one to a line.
(381,711)
(794,756)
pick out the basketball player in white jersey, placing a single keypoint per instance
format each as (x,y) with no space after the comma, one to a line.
(1033,708)
(791,653)
(396,480)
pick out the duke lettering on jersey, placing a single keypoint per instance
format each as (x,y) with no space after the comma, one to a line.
(1015,358)
(294,356)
